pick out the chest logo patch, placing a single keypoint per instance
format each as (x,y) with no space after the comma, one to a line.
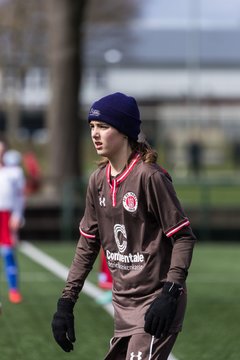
(130,202)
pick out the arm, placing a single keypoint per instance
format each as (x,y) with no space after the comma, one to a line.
(63,319)
(160,315)
(17,216)
(176,227)
(183,244)
(168,212)
(85,255)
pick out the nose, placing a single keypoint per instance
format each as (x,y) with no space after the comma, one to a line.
(95,132)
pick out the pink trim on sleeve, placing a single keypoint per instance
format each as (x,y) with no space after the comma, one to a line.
(177,228)
(88,236)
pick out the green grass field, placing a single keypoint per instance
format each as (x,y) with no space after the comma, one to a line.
(211,329)
(26,328)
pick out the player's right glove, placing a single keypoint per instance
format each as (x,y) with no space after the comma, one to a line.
(159,316)
(63,324)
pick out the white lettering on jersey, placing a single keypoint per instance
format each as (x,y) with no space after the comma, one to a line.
(127,261)
(120,229)
(130,258)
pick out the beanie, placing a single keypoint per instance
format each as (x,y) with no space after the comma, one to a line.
(118,110)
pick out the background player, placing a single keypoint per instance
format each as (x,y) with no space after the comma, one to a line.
(104,281)
(132,211)
(12,186)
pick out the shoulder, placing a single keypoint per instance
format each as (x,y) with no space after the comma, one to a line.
(16,171)
(13,175)
(97,175)
(16,174)
(153,170)
(12,171)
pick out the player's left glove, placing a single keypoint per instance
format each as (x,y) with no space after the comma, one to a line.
(161,312)
(63,324)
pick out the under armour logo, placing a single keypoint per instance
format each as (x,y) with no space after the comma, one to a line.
(102,201)
(138,356)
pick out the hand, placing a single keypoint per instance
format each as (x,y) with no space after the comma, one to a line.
(14,223)
(63,324)
(161,312)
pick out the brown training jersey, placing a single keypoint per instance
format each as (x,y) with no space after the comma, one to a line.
(137,219)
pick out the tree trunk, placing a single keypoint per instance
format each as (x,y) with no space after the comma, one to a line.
(65,39)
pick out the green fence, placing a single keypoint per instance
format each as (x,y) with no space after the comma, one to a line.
(211,204)
(209,192)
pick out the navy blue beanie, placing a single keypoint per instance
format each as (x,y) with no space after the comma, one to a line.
(118,110)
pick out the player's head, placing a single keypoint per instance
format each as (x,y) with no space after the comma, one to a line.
(120,111)
(12,158)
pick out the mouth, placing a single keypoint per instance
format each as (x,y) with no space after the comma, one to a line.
(98,145)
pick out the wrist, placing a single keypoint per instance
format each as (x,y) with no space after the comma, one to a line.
(65,305)
(172,289)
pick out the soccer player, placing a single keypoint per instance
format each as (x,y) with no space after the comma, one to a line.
(12,184)
(104,281)
(132,211)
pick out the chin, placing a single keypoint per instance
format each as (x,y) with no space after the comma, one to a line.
(101,153)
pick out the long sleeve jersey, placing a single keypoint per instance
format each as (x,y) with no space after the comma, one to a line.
(146,236)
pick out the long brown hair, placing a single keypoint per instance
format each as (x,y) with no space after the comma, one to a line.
(147,153)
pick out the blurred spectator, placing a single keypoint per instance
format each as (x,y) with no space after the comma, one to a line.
(12,184)
(104,280)
(195,157)
(32,173)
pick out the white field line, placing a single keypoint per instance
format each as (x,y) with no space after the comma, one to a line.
(61,271)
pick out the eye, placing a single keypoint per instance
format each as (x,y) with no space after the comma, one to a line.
(104,126)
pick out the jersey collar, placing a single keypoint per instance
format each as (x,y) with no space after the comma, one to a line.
(114,183)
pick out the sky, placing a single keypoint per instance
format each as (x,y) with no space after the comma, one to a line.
(212,13)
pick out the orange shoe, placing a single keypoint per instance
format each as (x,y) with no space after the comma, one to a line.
(15,296)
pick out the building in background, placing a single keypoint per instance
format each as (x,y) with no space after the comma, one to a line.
(187,81)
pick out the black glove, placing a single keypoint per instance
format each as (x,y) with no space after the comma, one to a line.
(63,324)
(161,312)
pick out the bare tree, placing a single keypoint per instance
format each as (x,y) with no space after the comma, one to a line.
(67,21)
(65,25)
(27,41)
(21,28)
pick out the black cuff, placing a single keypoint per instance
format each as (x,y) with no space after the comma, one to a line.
(172,289)
(65,305)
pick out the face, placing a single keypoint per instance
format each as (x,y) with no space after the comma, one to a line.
(107,140)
